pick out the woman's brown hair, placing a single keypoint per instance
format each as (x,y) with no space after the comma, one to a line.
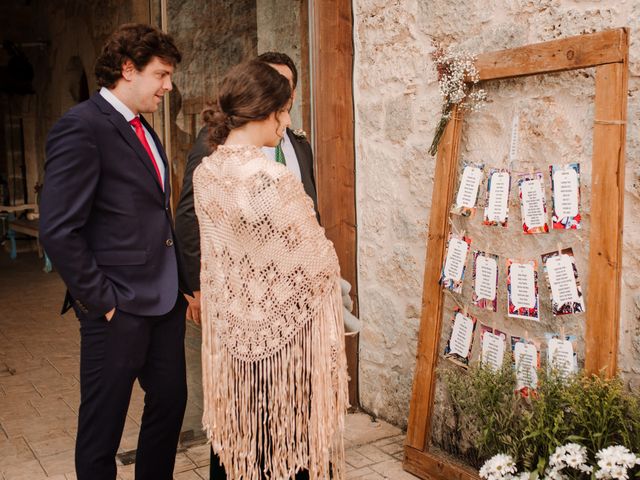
(250,91)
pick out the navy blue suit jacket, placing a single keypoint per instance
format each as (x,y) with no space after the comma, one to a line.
(104,220)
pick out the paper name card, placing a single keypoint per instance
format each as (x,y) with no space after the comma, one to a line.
(485,280)
(565,193)
(561,356)
(454,264)
(458,348)
(496,211)
(564,286)
(467,196)
(493,349)
(533,204)
(526,360)
(522,289)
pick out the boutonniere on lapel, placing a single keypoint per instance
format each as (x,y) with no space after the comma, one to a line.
(298,132)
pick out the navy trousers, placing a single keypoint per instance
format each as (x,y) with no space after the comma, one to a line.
(113,354)
(217,472)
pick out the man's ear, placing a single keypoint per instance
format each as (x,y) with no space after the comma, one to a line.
(128,69)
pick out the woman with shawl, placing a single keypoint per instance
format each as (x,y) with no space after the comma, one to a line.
(274,367)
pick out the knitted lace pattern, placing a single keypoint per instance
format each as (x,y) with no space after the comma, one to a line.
(273,360)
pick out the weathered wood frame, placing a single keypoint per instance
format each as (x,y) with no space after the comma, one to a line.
(331,42)
(608,52)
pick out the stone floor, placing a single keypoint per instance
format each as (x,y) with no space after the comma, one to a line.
(39,393)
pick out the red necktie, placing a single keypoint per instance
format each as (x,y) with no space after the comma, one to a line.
(137,124)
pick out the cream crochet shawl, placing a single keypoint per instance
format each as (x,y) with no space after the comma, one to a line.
(274,367)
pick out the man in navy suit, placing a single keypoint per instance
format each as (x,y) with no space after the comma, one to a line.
(106,224)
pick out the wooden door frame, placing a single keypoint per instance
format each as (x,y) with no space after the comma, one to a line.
(608,52)
(331,48)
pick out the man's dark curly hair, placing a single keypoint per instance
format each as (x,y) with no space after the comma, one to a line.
(278,58)
(136,42)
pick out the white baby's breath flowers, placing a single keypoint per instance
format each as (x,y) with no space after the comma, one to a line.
(457,74)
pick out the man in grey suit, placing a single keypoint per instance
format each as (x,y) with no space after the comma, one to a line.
(294,151)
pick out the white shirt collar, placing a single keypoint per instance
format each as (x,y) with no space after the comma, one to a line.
(116,103)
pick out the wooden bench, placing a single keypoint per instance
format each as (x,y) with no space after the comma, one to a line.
(27,227)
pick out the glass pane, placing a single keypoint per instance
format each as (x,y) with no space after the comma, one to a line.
(214,36)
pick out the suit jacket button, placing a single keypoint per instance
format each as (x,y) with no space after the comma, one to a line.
(169,243)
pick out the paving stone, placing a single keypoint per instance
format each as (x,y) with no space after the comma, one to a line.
(53,443)
(390,440)
(188,475)
(393,448)
(373,453)
(14,451)
(126,472)
(356,459)
(360,473)
(183,463)
(29,470)
(58,463)
(203,472)
(52,408)
(200,454)
(39,402)
(13,406)
(19,388)
(359,430)
(392,469)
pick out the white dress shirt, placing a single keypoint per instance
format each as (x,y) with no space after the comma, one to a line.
(128,116)
(289,155)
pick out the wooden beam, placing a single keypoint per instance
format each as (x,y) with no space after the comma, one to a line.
(332,68)
(607,201)
(582,51)
(435,467)
(432,297)
(304,73)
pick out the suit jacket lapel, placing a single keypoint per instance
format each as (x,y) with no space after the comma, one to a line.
(305,162)
(129,135)
(163,156)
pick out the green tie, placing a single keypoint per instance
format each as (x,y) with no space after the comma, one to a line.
(280,155)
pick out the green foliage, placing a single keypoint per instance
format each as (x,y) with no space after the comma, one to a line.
(486,401)
(603,413)
(587,409)
(546,424)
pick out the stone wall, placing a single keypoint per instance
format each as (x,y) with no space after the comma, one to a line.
(397,106)
(66,37)
(213,37)
(279,31)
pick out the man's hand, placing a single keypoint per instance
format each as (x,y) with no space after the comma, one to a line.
(109,314)
(193,309)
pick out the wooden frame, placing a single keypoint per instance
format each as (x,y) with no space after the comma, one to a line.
(331,39)
(608,52)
